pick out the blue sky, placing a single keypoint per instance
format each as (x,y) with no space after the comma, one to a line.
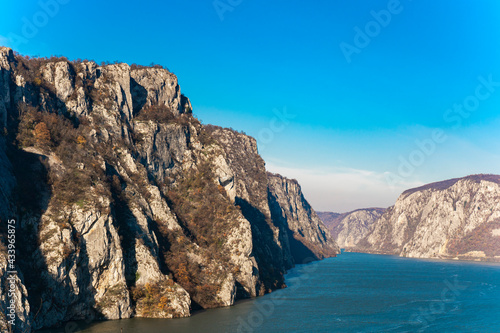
(345,127)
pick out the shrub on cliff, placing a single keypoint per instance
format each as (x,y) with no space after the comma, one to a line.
(198,201)
(154,299)
(481,238)
(54,134)
(42,134)
(207,215)
(30,68)
(47,130)
(156,113)
(162,114)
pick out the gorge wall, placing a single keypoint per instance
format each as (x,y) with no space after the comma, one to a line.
(453,219)
(349,228)
(126,205)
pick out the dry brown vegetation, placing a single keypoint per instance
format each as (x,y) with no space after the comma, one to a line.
(30,69)
(204,207)
(55,134)
(162,114)
(479,239)
(207,215)
(152,298)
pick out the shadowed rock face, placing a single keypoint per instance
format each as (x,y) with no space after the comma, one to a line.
(308,236)
(457,218)
(128,206)
(349,228)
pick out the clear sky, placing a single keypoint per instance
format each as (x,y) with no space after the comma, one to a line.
(358,100)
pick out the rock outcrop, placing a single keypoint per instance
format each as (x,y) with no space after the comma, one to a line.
(347,229)
(285,229)
(454,219)
(308,238)
(128,206)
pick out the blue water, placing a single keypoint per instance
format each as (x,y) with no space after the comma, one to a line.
(354,293)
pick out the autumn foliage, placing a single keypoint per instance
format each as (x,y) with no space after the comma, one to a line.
(42,134)
(154,299)
(479,239)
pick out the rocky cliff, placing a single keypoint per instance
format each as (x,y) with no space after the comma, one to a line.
(125,205)
(307,235)
(349,228)
(453,219)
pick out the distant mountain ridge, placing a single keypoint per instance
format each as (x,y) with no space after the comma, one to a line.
(445,184)
(457,218)
(349,228)
(452,219)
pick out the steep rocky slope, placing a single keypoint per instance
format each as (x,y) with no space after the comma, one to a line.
(457,218)
(349,228)
(127,205)
(307,235)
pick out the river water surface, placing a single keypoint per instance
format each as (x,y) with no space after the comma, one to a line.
(353,292)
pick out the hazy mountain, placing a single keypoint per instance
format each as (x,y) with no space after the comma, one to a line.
(349,228)
(456,218)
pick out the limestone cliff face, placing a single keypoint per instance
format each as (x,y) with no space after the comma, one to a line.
(349,228)
(307,235)
(128,206)
(280,217)
(457,218)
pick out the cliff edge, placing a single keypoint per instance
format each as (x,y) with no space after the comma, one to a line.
(127,205)
(453,219)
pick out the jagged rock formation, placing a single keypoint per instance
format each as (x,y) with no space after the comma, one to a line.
(454,219)
(349,228)
(128,206)
(307,235)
